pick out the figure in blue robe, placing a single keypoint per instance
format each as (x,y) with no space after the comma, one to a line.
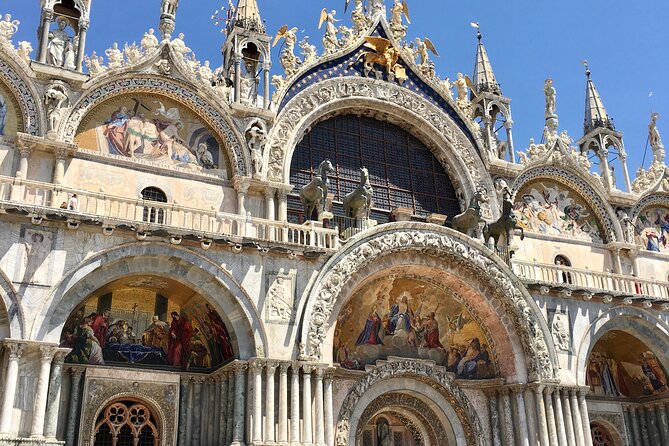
(3,115)
(371,333)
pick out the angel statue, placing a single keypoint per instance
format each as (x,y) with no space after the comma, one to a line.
(8,28)
(330,40)
(463,85)
(358,17)
(421,51)
(382,52)
(289,61)
(399,9)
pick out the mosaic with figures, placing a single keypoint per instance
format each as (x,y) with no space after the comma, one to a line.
(8,116)
(652,229)
(153,129)
(621,366)
(550,209)
(142,322)
(411,318)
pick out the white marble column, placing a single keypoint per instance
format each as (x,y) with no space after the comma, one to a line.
(15,351)
(230,423)
(295,404)
(53,400)
(73,410)
(283,403)
(189,413)
(542,423)
(47,353)
(307,428)
(256,368)
(550,416)
(531,416)
(567,416)
(47,16)
(583,406)
(559,418)
(216,416)
(504,405)
(329,416)
(270,428)
(239,403)
(223,414)
(576,419)
(519,418)
(320,415)
(495,431)
(282,197)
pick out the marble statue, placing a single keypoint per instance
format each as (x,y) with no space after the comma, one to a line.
(248,86)
(376,6)
(95,64)
(58,38)
(8,28)
(550,93)
(54,100)
(655,140)
(421,51)
(447,88)
(256,137)
(289,61)
(24,49)
(223,89)
(133,53)
(361,198)
(205,73)
(358,17)
(314,195)
(308,51)
(114,56)
(179,46)
(560,332)
(330,41)
(204,156)
(169,7)
(347,36)
(69,62)
(149,41)
(399,10)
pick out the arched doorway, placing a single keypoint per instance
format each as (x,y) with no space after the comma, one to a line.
(126,423)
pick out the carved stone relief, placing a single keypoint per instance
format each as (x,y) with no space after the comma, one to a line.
(280,298)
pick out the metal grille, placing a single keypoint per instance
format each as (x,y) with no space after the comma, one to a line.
(398,438)
(151,214)
(367,439)
(403,171)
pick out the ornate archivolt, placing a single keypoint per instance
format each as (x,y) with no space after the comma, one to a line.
(205,278)
(585,188)
(352,417)
(653,199)
(384,101)
(434,242)
(32,119)
(178,92)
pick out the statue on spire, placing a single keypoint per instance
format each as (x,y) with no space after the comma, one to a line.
(550,93)
(168,13)
(655,140)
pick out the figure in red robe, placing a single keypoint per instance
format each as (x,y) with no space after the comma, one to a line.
(431,332)
(221,334)
(100,326)
(179,340)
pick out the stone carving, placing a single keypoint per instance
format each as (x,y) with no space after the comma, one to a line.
(626,225)
(179,46)
(114,56)
(149,41)
(58,39)
(462,100)
(256,138)
(95,64)
(133,53)
(655,140)
(308,51)
(425,372)
(421,53)
(8,28)
(470,221)
(361,198)
(24,49)
(560,331)
(314,195)
(55,99)
(280,298)
(347,36)
(206,74)
(289,61)
(441,244)
(330,41)
(27,100)
(399,10)
(360,22)
(549,93)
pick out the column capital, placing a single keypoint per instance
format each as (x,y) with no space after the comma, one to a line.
(329,373)
(241,184)
(271,365)
(490,392)
(47,352)
(270,193)
(548,390)
(284,366)
(61,153)
(25,149)
(320,371)
(239,368)
(48,14)
(256,365)
(77,372)
(15,349)
(538,388)
(308,368)
(517,388)
(84,25)
(583,391)
(199,379)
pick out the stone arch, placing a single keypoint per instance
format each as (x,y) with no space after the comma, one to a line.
(610,428)
(574,179)
(430,385)
(448,250)
(12,319)
(640,323)
(174,90)
(451,144)
(14,72)
(213,283)
(652,199)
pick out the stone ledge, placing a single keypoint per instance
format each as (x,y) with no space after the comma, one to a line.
(10,441)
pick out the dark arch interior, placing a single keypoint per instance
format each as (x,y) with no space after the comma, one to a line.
(403,171)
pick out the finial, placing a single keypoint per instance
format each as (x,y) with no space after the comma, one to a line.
(477,26)
(587,68)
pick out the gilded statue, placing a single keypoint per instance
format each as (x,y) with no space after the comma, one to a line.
(382,53)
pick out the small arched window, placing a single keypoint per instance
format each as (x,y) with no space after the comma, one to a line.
(562,275)
(154,213)
(126,423)
(600,436)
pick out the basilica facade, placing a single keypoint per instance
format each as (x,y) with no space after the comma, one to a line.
(347,249)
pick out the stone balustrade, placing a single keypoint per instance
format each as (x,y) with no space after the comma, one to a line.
(42,199)
(605,283)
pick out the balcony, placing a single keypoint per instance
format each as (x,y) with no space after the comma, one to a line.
(606,285)
(42,201)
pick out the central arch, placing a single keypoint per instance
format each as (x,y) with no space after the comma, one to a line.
(528,338)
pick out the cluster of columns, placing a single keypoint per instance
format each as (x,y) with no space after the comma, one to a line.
(256,403)
(648,424)
(542,415)
(47,392)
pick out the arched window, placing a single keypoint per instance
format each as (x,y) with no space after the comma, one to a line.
(562,275)
(600,436)
(154,214)
(126,423)
(402,170)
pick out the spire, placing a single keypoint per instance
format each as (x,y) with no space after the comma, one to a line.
(247,15)
(595,113)
(484,77)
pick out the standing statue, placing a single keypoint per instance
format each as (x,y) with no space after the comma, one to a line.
(69,62)
(360,198)
(204,156)
(8,28)
(57,41)
(421,51)
(114,56)
(314,195)
(23,51)
(469,222)
(205,73)
(169,7)
(95,64)
(358,17)
(133,53)
(256,138)
(399,9)
(179,45)
(655,140)
(54,99)
(505,225)
(149,41)
(330,40)
(289,61)
(550,93)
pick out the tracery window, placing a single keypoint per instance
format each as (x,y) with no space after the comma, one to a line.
(600,436)
(154,214)
(403,171)
(126,423)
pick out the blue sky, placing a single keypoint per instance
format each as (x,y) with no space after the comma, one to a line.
(626,43)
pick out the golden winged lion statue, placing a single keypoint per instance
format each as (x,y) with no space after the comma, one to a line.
(382,52)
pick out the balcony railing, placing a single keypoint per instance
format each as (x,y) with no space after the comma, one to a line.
(44,199)
(597,282)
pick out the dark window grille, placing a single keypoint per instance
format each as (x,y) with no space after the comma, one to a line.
(403,171)
(152,214)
